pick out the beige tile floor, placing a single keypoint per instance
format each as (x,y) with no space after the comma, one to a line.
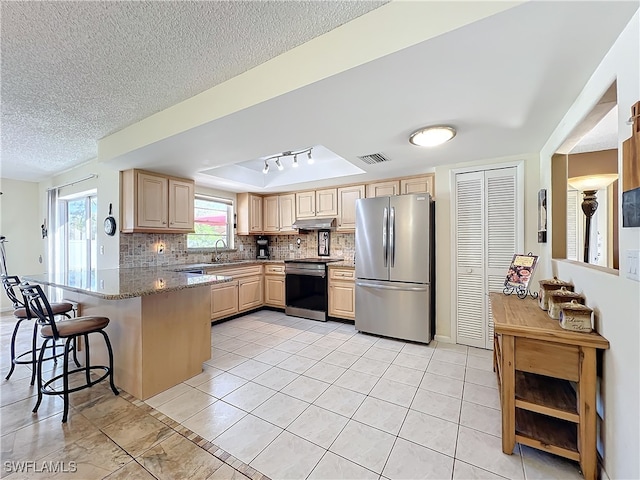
(288,398)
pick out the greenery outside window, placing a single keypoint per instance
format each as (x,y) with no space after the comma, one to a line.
(213,221)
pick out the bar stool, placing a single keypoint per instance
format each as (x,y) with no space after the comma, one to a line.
(9,282)
(36,302)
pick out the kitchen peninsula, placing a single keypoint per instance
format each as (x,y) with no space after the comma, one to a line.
(159,326)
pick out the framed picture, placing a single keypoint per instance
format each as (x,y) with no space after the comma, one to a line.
(520,271)
(323,243)
(542,216)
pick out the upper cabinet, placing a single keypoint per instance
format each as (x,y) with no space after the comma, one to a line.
(347,197)
(152,202)
(271,214)
(287,212)
(383,189)
(317,203)
(249,219)
(421,184)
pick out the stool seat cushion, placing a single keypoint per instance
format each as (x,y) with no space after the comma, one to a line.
(56,308)
(76,326)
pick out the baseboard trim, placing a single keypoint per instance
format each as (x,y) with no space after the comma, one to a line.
(443,339)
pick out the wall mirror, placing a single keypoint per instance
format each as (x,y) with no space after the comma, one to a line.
(585,188)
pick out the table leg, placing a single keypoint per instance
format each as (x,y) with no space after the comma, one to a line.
(508,394)
(587,411)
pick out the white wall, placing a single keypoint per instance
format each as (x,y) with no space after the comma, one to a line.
(615,298)
(20,220)
(444,255)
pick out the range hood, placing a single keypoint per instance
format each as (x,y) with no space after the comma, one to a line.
(315,223)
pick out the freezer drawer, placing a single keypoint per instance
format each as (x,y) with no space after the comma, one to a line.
(393,309)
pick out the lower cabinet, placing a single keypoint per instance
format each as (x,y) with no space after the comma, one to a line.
(243,293)
(274,285)
(342,293)
(224,300)
(249,293)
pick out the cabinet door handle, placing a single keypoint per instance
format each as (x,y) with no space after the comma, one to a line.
(164,223)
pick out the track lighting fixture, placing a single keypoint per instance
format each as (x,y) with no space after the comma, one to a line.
(293,154)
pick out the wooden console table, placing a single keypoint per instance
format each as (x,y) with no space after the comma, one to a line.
(547,380)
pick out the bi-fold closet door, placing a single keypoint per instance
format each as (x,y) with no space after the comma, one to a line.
(488,230)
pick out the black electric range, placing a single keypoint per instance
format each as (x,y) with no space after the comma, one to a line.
(306,287)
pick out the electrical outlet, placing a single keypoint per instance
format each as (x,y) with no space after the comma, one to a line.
(101,249)
(241,248)
(633,265)
(291,247)
(161,249)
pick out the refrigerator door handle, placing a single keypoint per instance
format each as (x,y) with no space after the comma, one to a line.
(385,222)
(392,235)
(417,288)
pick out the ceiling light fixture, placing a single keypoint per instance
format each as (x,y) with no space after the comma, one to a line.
(432,136)
(293,154)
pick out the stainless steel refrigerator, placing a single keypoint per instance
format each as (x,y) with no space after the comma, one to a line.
(394,245)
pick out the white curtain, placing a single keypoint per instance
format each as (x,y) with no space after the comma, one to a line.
(55,250)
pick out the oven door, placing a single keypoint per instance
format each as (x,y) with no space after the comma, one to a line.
(306,294)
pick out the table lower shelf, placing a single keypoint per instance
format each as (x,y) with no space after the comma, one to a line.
(546,433)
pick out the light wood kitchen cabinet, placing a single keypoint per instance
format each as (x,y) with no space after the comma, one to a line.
(250,293)
(318,203)
(287,212)
(383,189)
(247,294)
(274,285)
(249,219)
(152,202)
(421,184)
(327,202)
(271,216)
(347,197)
(342,293)
(305,204)
(224,300)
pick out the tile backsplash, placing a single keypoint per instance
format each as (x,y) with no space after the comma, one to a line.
(141,249)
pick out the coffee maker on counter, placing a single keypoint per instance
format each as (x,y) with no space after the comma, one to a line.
(262,250)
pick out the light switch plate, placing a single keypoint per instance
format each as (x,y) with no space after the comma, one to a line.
(633,265)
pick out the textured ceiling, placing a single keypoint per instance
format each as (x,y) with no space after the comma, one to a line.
(74,72)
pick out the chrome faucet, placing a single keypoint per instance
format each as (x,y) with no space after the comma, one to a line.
(216,255)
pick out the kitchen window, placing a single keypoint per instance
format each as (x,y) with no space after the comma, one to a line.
(213,221)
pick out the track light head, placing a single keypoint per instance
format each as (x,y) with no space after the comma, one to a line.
(295,160)
(279,164)
(265,170)
(309,157)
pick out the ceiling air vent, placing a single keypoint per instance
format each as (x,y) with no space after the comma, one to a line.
(374,158)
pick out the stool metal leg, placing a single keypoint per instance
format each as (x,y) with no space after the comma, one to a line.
(65,380)
(75,352)
(34,358)
(40,357)
(87,362)
(13,349)
(106,340)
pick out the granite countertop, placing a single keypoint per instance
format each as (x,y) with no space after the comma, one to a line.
(343,264)
(121,283)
